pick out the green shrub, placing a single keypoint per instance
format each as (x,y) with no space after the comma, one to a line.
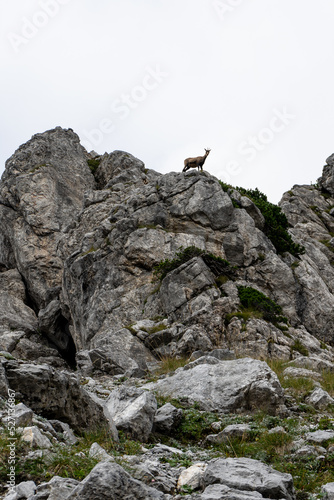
(93,163)
(183,255)
(216,264)
(252,299)
(195,425)
(299,347)
(169,364)
(276,223)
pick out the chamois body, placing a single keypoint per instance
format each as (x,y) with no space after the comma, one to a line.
(195,162)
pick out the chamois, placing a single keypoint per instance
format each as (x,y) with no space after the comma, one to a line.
(195,162)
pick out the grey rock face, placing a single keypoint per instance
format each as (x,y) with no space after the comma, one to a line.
(243,384)
(229,432)
(133,411)
(167,418)
(14,313)
(320,399)
(55,394)
(41,193)
(328,491)
(223,492)
(86,246)
(327,179)
(23,490)
(117,169)
(22,416)
(250,475)
(58,488)
(319,437)
(307,210)
(3,381)
(109,481)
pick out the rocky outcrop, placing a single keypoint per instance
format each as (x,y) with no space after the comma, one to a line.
(41,195)
(133,411)
(56,395)
(81,239)
(243,384)
(246,474)
(111,482)
(86,245)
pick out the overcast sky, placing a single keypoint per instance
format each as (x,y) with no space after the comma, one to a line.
(164,79)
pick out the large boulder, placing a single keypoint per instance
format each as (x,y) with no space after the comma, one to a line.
(57,395)
(15,314)
(246,474)
(133,411)
(41,194)
(109,481)
(326,181)
(167,418)
(243,385)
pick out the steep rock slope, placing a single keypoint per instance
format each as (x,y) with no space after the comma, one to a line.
(86,247)
(108,267)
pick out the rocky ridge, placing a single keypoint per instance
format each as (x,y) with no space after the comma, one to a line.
(86,322)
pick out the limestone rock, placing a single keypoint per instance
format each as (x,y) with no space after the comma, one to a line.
(109,481)
(228,433)
(3,381)
(243,384)
(309,451)
(301,373)
(117,168)
(58,488)
(133,411)
(22,416)
(319,437)
(167,418)
(186,282)
(221,491)
(192,476)
(327,178)
(65,430)
(55,394)
(35,438)
(23,490)
(14,313)
(41,193)
(320,399)
(250,475)
(328,491)
(96,451)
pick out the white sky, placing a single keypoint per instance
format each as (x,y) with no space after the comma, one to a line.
(163,79)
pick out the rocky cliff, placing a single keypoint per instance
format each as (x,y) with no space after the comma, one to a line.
(108,268)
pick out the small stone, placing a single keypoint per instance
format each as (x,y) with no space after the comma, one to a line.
(35,438)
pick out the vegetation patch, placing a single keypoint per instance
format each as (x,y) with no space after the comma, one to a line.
(94,163)
(253,300)
(299,347)
(276,223)
(216,264)
(169,364)
(155,329)
(177,460)
(62,460)
(195,425)
(37,167)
